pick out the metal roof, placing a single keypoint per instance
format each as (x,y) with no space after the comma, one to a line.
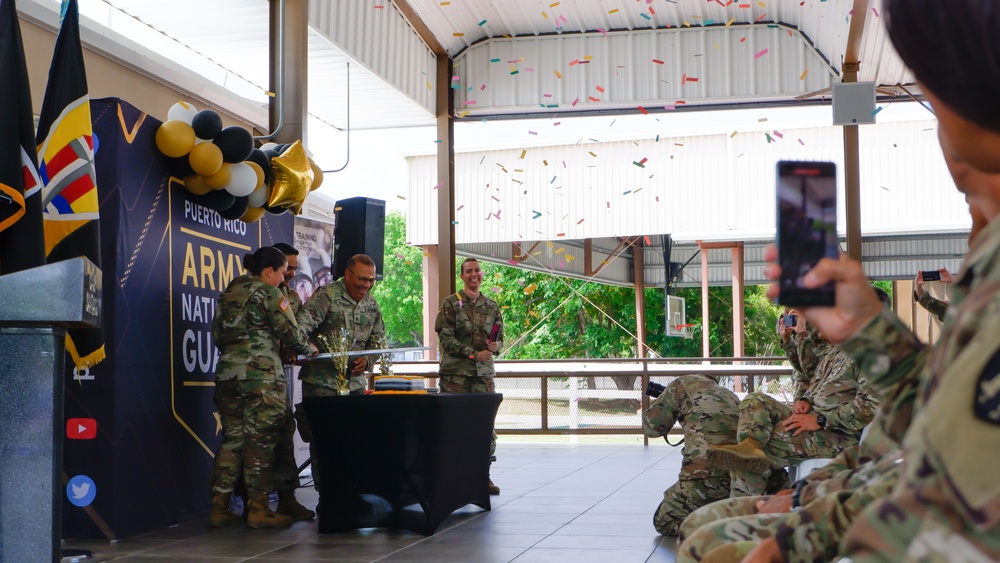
(714,184)
(739,51)
(389,63)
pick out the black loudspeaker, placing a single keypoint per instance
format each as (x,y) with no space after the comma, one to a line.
(359,229)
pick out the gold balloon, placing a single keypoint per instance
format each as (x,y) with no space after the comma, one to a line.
(175,138)
(257,170)
(292,178)
(205,158)
(317,175)
(219,180)
(196,185)
(252,214)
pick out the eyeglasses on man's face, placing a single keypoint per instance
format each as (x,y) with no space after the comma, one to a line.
(363,279)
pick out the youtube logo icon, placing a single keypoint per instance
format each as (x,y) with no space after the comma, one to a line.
(81,428)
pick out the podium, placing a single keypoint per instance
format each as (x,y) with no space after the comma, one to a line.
(38,305)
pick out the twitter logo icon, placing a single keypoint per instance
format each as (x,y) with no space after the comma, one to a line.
(81,490)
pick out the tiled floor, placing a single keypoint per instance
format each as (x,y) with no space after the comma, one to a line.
(578,503)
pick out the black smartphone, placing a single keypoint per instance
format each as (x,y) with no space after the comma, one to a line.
(931,275)
(791,320)
(807,228)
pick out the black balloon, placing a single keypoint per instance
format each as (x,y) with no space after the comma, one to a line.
(275,210)
(269,172)
(180,167)
(206,124)
(257,156)
(219,200)
(236,144)
(237,209)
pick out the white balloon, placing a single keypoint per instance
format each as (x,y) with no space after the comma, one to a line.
(182,111)
(258,197)
(267,146)
(242,181)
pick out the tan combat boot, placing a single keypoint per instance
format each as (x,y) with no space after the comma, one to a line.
(220,517)
(261,515)
(290,506)
(494,490)
(748,456)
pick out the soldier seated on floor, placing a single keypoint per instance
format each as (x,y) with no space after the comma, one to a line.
(833,405)
(707,413)
(804,523)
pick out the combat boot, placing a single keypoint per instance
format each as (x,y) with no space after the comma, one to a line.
(494,490)
(261,515)
(290,506)
(220,517)
(748,456)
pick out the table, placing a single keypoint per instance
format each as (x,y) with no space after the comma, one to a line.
(428,450)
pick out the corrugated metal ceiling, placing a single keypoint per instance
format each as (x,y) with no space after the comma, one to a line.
(392,87)
(234,35)
(458,25)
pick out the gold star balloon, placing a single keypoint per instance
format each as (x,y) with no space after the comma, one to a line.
(293,178)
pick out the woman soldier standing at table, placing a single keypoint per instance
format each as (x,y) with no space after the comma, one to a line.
(252,317)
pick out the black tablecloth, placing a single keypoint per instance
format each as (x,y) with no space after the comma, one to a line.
(431,450)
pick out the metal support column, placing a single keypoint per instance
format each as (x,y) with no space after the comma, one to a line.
(739,314)
(446,179)
(852,155)
(639,275)
(289,70)
(432,298)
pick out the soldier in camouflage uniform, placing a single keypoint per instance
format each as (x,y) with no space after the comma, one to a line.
(946,506)
(250,393)
(345,304)
(802,346)
(286,471)
(832,407)
(934,306)
(806,524)
(470,330)
(707,413)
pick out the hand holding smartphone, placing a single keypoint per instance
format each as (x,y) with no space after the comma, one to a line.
(807,228)
(930,275)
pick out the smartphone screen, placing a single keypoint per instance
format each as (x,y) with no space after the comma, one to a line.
(807,228)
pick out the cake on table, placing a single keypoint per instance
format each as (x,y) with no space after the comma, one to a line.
(400,385)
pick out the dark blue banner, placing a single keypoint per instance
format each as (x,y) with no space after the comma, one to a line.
(140,446)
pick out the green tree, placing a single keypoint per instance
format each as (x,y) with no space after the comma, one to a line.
(549,316)
(400,293)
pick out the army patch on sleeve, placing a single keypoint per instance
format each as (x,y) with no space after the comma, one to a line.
(284,304)
(987,404)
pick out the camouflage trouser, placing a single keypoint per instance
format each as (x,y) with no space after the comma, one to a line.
(252,413)
(683,497)
(726,508)
(286,471)
(463,384)
(760,418)
(310,390)
(714,533)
